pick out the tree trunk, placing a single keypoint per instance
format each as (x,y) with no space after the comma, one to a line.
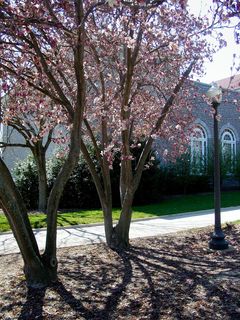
(49,256)
(108,223)
(120,234)
(16,213)
(36,273)
(42,197)
(40,158)
(42,187)
(104,191)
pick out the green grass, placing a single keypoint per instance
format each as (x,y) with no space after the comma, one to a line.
(174,205)
(188,203)
(237,222)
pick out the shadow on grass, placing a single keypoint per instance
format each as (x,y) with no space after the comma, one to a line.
(62,221)
(39,223)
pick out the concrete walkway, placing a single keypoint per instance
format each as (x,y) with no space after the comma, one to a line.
(81,235)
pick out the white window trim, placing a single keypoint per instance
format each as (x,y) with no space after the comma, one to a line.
(232,142)
(199,129)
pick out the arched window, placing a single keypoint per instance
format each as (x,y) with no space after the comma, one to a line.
(228,140)
(198,150)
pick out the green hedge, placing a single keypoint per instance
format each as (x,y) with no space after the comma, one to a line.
(25,173)
(160,180)
(80,191)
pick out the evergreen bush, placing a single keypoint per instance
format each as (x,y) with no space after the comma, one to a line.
(80,191)
(26,178)
(159,180)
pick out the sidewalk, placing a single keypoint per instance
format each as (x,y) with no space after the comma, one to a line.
(82,235)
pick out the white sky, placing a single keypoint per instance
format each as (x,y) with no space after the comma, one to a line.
(222,61)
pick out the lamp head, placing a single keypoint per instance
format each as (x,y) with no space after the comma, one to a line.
(215,93)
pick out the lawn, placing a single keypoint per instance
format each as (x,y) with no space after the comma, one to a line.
(179,204)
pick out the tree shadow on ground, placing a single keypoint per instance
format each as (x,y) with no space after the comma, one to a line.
(33,307)
(158,278)
(101,290)
(187,280)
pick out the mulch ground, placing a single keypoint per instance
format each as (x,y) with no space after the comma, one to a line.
(170,277)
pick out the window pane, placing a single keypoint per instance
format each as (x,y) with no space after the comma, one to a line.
(228,150)
(198,151)
(227,137)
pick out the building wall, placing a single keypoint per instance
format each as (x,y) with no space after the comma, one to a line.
(229,120)
(11,155)
(230,116)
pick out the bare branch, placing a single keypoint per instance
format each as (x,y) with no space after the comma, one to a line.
(49,139)
(98,155)
(6,144)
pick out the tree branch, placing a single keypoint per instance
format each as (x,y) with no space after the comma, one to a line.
(49,139)
(94,174)
(98,155)
(165,111)
(33,85)
(6,144)
(49,73)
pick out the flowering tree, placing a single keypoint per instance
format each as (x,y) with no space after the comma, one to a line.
(140,56)
(227,9)
(120,65)
(227,14)
(42,48)
(34,118)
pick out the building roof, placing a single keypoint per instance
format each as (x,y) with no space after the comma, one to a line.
(232,83)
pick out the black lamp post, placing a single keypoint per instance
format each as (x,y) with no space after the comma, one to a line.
(217,241)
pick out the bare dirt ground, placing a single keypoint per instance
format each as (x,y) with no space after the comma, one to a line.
(170,277)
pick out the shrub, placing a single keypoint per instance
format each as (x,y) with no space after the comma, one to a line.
(80,191)
(184,177)
(26,178)
(161,179)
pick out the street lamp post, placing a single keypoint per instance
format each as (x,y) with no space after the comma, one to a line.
(217,241)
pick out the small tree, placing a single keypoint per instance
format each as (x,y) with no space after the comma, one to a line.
(42,47)
(34,117)
(135,57)
(140,58)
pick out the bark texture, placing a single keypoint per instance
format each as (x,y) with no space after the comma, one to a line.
(16,213)
(39,152)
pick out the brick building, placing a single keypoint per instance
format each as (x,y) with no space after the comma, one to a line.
(201,141)
(229,128)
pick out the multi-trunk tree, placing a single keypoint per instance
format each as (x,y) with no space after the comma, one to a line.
(42,46)
(119,66)
(140,58)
